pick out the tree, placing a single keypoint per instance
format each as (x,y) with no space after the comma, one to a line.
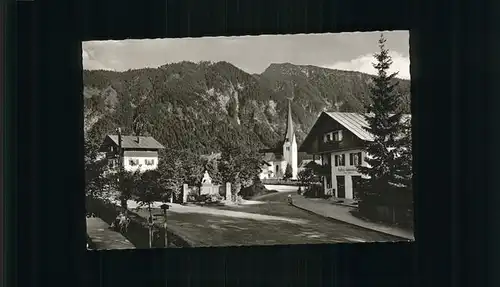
(306,176)
(95,179)
(125,183)
(237,166)
(384,123)
(193,169)
(147,189)
(288,172)
(405,160)
(171,173)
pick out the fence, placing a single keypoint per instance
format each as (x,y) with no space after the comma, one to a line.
(272,181)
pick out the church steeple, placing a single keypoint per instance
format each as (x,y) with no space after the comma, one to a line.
(290,155)
(289,124)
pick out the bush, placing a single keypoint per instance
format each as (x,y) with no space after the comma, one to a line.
(254,190)
(210,198)
(193,197)
(205,198)
(313,190)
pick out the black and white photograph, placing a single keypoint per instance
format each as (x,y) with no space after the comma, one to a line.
(248,140)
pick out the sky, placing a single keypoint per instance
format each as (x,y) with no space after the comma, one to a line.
(253,54)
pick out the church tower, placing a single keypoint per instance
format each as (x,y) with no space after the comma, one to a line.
(290,145)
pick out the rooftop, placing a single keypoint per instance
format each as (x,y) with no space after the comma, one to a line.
(131,142)
(356,123)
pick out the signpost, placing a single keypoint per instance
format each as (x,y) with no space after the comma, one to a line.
(150,221)
(165,207)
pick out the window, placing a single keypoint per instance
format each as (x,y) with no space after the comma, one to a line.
(333,136)
(325,159)
(340,160)
(133,162)
(149,161)
(338,136)
(288,148)
(355,159)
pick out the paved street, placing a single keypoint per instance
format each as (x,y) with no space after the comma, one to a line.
(272,221)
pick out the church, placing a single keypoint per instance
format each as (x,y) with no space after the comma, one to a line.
(277,159)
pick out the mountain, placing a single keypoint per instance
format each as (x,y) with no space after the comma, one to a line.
(196,106)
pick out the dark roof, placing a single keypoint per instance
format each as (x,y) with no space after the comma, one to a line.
(130,142)
(307,162)
(270,156)
(354,122)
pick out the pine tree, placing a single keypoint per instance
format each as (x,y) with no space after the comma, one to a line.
(384,123)
(288,171)
(405,161)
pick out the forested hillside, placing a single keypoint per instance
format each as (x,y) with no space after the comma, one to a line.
(196,106)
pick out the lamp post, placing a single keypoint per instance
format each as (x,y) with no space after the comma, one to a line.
(165,207)
(150,222)
(120,166)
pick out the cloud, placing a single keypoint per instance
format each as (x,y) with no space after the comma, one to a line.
(90,63)
(363,64)
(253,54)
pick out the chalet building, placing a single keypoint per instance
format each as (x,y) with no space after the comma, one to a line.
(339,140)
(277,159)
(137,152)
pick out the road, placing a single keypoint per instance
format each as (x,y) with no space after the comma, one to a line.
(271,222)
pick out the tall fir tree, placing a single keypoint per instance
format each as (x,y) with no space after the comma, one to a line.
(384,123)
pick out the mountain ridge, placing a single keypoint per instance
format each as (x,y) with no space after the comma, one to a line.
(198,106)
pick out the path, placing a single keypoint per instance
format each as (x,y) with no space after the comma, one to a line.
(327,208)
(269,222)
(103,237)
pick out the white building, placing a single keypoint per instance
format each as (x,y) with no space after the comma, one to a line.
(277,159)
(339,140)
(138,152)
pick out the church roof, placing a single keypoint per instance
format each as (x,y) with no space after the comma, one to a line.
(290,132)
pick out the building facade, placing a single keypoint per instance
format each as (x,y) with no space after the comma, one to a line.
(136,152)
(338,139)
(278,158)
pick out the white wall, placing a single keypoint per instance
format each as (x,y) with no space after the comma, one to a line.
(272,168)
(141,164)
(347,171)
(291,157)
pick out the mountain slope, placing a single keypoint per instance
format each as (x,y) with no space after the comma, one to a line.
(195,106)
